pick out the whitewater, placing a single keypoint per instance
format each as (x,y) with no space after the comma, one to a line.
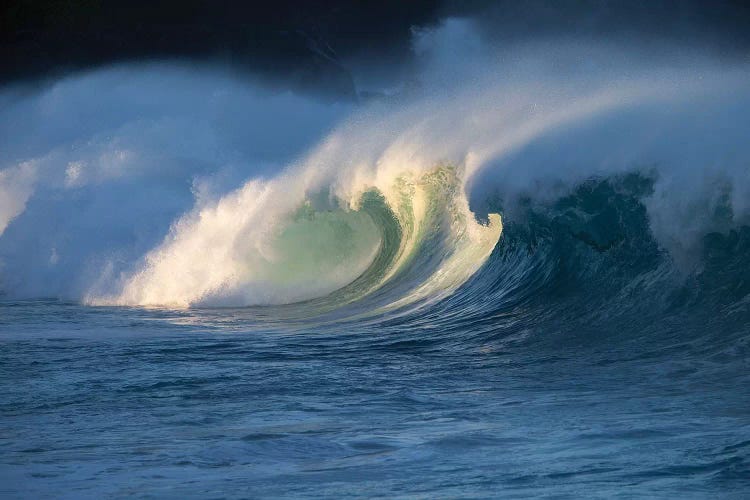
(527,275)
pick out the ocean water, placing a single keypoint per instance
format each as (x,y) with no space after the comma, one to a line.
(532,282)
(538,383)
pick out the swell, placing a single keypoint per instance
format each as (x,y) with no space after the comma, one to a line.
(585,271)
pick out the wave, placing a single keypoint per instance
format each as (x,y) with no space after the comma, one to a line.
(417,237)
(585,271)
(620,192)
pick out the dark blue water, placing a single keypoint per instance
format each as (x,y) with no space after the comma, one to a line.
(111,402)
(579,362)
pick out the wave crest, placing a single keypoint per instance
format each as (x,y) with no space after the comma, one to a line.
(257,246)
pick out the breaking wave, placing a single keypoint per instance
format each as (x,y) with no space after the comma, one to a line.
(180,189)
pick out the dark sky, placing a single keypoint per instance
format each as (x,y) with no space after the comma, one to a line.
(311,44)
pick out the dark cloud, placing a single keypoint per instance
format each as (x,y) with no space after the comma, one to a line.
(299,42)
(312,45)
(720,25)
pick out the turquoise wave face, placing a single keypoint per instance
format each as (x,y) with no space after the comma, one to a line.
(411,240)
(418,247)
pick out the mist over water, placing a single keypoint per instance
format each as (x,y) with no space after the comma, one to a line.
(526,273)
(147,167)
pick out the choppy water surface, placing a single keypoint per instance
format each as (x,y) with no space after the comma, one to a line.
(528,396)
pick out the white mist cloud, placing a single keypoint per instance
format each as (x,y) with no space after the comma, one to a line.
(16,186)
(98,165)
